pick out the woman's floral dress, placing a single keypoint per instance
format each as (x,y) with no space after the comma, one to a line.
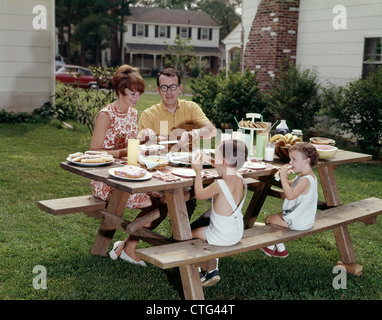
(123,126)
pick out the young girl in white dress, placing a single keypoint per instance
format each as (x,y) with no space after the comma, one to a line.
(300,204)
(226,219)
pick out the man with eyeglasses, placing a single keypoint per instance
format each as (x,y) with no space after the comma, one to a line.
(174,118)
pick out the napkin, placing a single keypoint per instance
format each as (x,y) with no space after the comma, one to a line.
(209,174)
(166,175)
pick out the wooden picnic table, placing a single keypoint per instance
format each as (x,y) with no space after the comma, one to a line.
(177,211)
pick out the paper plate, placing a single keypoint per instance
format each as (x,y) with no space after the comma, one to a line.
(147,176)
(255,165)
(184,172)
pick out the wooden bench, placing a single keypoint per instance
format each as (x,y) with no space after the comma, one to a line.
(96,208)
(72,205)
(198,251)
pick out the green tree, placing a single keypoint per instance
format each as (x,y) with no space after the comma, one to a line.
(178,55)
(170,4)
(119,12)
(68,13)
(294,95)
(223,12)
(82,16)
(95,34)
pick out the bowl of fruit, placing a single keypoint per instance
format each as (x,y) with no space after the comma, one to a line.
(283,143)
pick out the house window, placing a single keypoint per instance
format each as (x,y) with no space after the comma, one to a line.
(184,32)
(372,55)
(162,32)
(140,30)
(205,33)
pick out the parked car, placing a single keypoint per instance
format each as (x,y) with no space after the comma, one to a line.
(59,60)
(76,76)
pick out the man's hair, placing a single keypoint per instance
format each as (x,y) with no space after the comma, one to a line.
(169,72)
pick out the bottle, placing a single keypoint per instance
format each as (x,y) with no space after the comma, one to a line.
(282,128)
(298,133)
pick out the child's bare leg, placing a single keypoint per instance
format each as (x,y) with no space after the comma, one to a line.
(276,219)
(199,233)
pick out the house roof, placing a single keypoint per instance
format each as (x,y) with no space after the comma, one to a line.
(171,16)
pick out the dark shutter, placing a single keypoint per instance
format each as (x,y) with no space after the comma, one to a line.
(168,32)
(177,30)
(134,30)
(210,38)
(146,30)
(156,31)
(199,33)
(190,32)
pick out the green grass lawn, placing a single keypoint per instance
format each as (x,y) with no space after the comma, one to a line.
(30,172)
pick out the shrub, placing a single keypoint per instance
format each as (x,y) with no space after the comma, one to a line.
(357,109)
(205,90)
(224,99)
(294,96)
(46,112)
(84,104)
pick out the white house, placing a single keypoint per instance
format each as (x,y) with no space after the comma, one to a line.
(342,40)
(151,30)
(27,36)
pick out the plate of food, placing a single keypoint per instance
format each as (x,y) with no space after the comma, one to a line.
(184,159)
(153,162)
(247,124)
(183,172)
(90,158)
(255,165)
(132,173)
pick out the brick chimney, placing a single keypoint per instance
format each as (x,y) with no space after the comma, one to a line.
(272,38)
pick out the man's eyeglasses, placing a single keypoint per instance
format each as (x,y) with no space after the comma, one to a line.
(172,87)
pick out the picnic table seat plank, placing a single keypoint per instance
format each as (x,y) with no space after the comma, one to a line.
(196,250)
(72,205)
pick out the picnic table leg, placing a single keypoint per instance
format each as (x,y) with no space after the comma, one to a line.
(180,225)
(105,233)
(178,215)
(329,186)
(257,201)
(346,250)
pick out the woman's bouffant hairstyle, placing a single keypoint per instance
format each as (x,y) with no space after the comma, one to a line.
(307,150)
(235,152)
(127,77)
